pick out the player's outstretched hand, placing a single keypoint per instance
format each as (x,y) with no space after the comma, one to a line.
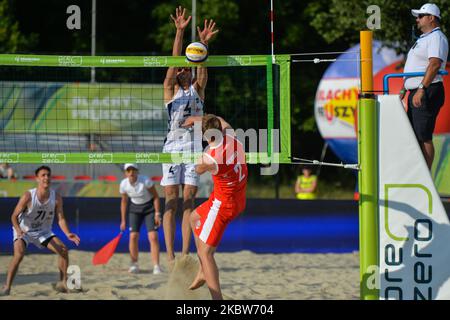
(208,31)
(74,238)
(179,20)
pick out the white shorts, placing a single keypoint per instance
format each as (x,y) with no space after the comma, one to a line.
(35,237)
(174,174)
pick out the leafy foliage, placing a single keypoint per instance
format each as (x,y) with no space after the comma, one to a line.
(11,39)
(337,20)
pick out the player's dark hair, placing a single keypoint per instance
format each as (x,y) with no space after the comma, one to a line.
(36,172)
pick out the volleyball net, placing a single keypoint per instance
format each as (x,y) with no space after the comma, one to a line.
(52,112)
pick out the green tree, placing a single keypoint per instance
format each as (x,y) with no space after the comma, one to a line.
(224,12)
(337,20)
(11,39)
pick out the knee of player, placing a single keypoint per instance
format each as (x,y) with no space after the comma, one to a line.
(64,252)
(18,255)
(171,204)
(134,235)
(170,193)
(153,236)
(189,193)
(205,252)
(188,204)
(194,218)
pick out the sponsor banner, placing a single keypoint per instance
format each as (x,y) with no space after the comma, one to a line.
(335,108)
(414,230)
(82,108)
(133,61)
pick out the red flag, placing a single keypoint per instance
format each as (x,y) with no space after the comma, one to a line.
(105,253)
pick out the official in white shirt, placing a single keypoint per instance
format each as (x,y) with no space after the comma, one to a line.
(140,197)
(426,94)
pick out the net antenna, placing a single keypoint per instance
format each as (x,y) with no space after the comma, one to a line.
(93,36)
(193,28)
(271,15)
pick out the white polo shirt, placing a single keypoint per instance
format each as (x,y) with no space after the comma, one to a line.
(433,44)
(137,192)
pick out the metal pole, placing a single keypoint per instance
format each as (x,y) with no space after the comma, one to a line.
(368,174)
(93,35)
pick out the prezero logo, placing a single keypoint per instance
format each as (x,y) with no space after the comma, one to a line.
(400,262)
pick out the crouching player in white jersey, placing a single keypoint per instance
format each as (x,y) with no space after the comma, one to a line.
(143,207)
(183,97)
(32,221)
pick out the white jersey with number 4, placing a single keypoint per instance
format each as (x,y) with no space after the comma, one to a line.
(185,103)
(38,216)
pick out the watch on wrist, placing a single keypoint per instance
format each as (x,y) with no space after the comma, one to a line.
(421,86)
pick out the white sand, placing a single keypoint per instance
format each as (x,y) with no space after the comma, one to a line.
(243,275)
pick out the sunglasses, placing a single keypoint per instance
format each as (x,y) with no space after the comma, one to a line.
(420,16)
(184,69)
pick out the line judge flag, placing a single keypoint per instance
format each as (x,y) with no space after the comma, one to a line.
(104,254)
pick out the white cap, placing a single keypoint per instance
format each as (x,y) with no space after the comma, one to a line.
(130,165)
(427,8)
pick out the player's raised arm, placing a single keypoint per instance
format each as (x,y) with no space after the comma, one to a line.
(62,221)
(206,164)
(226,127)
(20,207)
(180,23)
(205,36)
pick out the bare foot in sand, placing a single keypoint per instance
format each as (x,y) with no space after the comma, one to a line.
(60,287)
(4,292)
(198,281)
(170,265)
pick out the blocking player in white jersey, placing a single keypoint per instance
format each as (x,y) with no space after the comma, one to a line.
(183,97)
(32,222)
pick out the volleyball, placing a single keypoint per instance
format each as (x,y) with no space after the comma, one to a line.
(196,52)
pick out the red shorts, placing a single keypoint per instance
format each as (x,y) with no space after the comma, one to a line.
(215,215)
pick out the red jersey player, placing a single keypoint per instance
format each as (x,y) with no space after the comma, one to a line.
(224,157)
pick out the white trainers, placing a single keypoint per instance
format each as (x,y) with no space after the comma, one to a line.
(134,268)
(157,270)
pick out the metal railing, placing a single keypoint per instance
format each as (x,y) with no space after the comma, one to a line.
(401,75)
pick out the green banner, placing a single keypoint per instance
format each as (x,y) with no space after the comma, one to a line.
(128,61)
(441,164)
(82,108)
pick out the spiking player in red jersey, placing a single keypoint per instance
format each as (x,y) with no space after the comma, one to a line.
(224,157)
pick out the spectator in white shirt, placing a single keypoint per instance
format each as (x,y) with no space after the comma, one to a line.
(426,93)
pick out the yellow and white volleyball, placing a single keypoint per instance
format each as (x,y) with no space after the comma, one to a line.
(196,52)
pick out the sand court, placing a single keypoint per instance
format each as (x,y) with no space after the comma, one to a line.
(244,275)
